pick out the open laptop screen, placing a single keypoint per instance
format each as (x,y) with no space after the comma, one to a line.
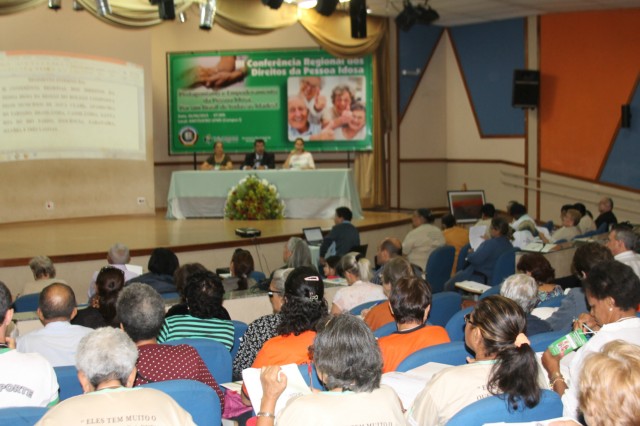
(313,235)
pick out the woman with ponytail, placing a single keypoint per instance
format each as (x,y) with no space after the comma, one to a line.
(504,364)
(357,271)
(101,311)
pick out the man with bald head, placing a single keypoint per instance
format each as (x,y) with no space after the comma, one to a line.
(58,340)
(388,249)
(605,207)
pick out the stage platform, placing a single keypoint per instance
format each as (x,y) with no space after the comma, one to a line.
(78,246)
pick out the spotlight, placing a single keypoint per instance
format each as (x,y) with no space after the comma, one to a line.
(412,15)
(182,17)
(326,7)
(167,10)
(358,12)
(273,4)
(207,13)
(426,16)
(103,7)
(54,4)
(77,6)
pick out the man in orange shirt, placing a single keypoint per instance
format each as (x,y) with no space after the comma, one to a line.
(410,304)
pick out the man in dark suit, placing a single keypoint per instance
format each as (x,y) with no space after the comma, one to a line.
(343,236)
(259,159)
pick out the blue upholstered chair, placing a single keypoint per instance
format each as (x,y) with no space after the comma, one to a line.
(386,329)
(257,276)
(495,409)
(358,309)
(314,380)
(21,416)
(454,353)
(554,302)
(504,267)
(490,292)
(68,381)
(214,354)
(443,306)
(27,303)
(455,326)
(170,296)
(462,257)
(438,268)
(195,397)
(541,341)
(239,328)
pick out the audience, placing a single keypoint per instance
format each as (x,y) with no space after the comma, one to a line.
(106,363)
(586,223)
(380,314)
(359,290)
(569,229)
(410,303)
(44,273)
(329,266)
(27,380)
(389,248)
(538,267)
(296,253)
(162,265)
(504,363)
(613,292)
(521,220)
(523,290)
(605,207)
(423,239)
(263,328)
(119,257)
(342,238)
(59,339)
(241,268)
(622,242)
(141,312)
(101,311)
(488,211)
(204,294)
(348,362)
(180,278)
(455,236)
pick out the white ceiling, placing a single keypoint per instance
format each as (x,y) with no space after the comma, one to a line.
(459,12)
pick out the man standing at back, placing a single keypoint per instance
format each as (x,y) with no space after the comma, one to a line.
(27,380)
(343,236)
(259,159)
(58,340)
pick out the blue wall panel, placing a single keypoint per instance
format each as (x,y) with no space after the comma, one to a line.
(415,48)
(623,165)
(488,54)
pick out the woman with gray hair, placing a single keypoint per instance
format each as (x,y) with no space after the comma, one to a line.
(357,271)
(297,253)
(349,365)
(262,329)
(523,289)
(44,273)
(106,362)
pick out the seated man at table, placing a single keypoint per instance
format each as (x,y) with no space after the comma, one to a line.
(342,238)
(259,159)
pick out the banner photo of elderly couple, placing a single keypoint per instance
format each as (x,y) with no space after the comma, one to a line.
(278,96)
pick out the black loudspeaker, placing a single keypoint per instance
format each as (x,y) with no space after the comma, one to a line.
(326,7)
(273,4)
(167,10)
(625,121)
(526,89)
(358,12)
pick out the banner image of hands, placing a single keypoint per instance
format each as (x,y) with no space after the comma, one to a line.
(278,96)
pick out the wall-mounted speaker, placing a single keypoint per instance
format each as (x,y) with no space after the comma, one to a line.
(526,89)
(358,12)
(326,7)
(625,120)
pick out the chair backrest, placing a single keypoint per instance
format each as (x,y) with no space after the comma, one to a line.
(604,227)
(257,276)
(504,267)
(239,328)
(554,302)
(491,291)
(443,306)
(315,381)
(541,341)
(68,381)
(495,409)
(214,354)
(453,353)
(386,329)
(455,326)
(462,257)
(21,416)
(362,249)
(438,268)
(358,309)
(27,303)
(170,296)
(195,397)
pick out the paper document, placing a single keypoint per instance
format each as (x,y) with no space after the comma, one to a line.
(473,287)
(476,236)
(296,386)
(409,384)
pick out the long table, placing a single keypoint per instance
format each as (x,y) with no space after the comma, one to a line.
(306,193)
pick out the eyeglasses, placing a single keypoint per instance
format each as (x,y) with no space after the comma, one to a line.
(467,319)
(272,292)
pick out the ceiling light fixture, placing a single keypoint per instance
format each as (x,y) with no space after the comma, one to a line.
(412,15)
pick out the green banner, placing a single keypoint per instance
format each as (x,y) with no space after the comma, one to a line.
(278,96)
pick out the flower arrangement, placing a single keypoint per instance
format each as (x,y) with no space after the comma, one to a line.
(253,199)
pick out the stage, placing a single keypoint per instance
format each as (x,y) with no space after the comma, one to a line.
(78,246)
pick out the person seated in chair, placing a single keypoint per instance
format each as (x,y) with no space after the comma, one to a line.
(162,265)
(342,238)
(423,239)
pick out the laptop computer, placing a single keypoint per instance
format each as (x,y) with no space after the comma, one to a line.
(313,235)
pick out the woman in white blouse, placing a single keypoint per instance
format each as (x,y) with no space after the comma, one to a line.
(299,158)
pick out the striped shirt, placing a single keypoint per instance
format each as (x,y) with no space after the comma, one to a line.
(187,326)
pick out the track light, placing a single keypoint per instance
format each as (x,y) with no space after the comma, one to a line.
(103,7)
(412,15)
(358,12)
(167,10)
(54,4)
(207,13)
(77,6)
(182,17)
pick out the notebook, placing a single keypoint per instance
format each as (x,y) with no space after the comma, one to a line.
(313,235)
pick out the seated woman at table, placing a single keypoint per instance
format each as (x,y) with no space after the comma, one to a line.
(299,158)
(504,363)
(357,272)
(218,161)
(349,364)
